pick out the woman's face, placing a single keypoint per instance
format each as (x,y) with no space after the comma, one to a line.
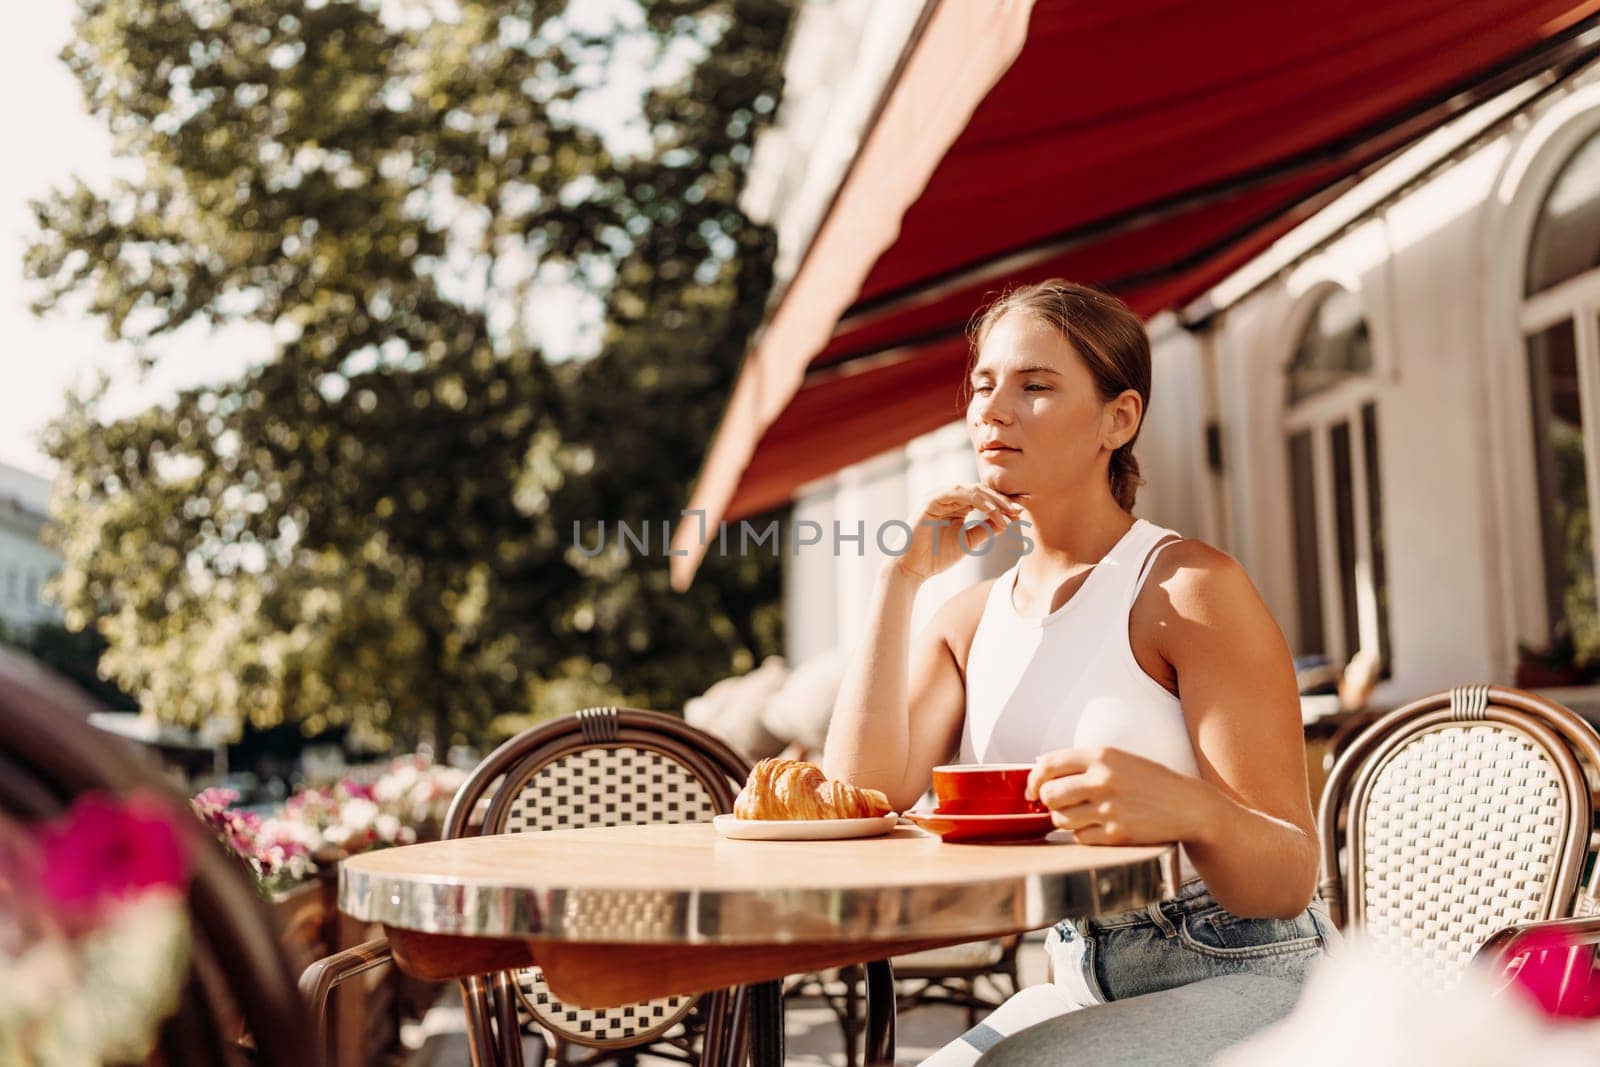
(1036,419)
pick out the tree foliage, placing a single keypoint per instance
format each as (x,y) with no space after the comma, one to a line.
(374,525)
(73,654)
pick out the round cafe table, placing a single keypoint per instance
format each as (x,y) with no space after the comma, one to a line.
(629,913)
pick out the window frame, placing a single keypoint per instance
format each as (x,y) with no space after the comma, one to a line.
(1576,300)
(1317,415)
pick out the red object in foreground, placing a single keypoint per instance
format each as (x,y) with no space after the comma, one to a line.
(990,829)
(105,850)
(1560,977)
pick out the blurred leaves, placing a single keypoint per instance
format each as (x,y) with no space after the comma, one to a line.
(375,524)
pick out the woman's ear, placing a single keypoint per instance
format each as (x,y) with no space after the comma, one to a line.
(1121,420)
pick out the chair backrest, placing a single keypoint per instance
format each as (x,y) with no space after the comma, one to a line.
(49,755)
(1456,816)
(599,767)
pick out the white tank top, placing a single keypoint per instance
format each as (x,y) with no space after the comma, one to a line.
(1070,679)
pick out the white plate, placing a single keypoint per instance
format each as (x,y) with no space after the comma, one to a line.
(802,829)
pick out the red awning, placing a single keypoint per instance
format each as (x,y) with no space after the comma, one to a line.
(1150,147)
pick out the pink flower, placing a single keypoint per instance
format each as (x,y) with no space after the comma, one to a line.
(215,799)
(104,851)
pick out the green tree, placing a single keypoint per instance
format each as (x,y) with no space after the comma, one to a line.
(75,655)
(375,524)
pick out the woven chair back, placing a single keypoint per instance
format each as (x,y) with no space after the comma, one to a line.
(604,767)
(1455,816)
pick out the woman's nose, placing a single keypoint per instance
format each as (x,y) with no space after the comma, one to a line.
(992,409)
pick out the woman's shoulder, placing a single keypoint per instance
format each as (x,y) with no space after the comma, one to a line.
(1190,552)
(1200,612)
(1194,579)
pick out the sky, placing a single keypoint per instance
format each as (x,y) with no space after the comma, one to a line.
(51,138)
(48,140)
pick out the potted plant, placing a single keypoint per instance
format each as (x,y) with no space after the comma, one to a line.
(1554,667)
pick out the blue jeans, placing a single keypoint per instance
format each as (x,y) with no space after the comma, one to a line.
(1174,942)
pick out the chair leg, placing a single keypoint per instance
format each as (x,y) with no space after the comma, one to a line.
(766,1024)
(738,1047)
(1013,980)
(880,1014)
(850,1023)
(480,1026)
(714,1032)
(510,1027)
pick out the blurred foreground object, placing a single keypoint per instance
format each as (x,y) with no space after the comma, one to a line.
(772,709)
(1358,1008)
(94,939)
(238,980)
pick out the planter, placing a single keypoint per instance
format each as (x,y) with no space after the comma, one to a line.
(1531,674)
(304,916)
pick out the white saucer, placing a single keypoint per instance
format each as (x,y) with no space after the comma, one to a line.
(802,829)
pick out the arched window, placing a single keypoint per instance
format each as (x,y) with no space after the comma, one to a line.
(1566,237)
(1335,490)
(1560,318)
(1334,346)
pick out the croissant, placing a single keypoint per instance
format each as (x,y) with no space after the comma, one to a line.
(795,789)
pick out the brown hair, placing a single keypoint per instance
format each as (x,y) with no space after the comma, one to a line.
(1108,337)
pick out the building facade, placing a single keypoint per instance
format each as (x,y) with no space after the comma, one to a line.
(26,563)
(1392,419)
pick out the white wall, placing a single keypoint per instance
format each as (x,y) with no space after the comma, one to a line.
(810,585)
(1172,442)
(25,565)
(32,490)
(1415,256)
(1432,418)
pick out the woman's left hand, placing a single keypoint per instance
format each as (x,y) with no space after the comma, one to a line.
(1110,797)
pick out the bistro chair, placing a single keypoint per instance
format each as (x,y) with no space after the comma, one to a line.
(1457,829)
(948,976)
(951,976)
(239,978)
(599,767)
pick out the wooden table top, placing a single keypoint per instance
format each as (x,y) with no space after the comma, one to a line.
(683,884)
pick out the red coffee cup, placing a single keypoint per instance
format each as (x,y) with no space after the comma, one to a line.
(983,789)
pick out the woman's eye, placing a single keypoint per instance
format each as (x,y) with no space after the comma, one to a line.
(1035,387)
(982,390)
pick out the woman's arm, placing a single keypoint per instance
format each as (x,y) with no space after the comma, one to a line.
(901,701)
(1256,846)
(1246,822)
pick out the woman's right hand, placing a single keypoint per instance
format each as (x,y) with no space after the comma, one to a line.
(939,537)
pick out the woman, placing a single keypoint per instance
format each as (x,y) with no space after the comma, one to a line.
(1139,672)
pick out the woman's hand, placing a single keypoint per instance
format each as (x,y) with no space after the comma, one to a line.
(1110,797)
(940,536)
